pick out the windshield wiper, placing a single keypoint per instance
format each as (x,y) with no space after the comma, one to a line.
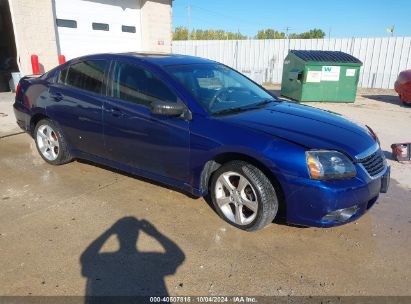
(231,110)
(245,108)
(263,103)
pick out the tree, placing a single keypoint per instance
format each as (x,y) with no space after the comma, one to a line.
(312,34)
(180,33)
(270,34)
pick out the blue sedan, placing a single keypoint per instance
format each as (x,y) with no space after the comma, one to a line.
(202,127)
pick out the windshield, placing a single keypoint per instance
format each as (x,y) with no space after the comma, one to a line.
(219,89)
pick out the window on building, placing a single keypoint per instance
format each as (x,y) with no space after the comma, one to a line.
(139,86)
(101,26)
(128,29)
(66,23)
(86,75)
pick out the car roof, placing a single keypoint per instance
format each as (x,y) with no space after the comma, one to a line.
(160,59)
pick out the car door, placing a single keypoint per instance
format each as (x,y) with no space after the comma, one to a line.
(133,135)
(77,99)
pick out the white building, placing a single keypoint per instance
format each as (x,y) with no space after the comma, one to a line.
(49,28)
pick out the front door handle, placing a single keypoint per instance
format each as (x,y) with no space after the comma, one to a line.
(116,112)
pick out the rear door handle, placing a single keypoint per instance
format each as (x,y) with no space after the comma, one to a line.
(57,96)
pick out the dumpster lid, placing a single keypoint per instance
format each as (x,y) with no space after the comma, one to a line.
(322,56)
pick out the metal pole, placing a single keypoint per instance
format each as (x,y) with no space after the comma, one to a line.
(287,36)
(286,31)
(188,21)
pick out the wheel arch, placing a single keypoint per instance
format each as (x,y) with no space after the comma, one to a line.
(212,165)
(34,120)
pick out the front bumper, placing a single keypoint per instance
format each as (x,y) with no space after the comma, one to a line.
(309,201)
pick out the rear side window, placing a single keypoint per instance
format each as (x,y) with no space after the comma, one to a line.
(86,75)
(139,86)
(62,76)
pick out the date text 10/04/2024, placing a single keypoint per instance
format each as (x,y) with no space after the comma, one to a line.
(205,299)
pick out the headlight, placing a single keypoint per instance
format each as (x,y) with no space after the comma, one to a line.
(325,165)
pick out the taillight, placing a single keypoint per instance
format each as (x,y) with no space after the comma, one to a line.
(373,135)
(18,89)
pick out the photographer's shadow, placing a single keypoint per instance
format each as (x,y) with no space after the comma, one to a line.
(129,272)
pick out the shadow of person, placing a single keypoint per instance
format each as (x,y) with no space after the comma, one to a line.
(127,271)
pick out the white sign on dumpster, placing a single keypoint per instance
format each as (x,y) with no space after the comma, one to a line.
(350,73)
(314,76)
(330,73)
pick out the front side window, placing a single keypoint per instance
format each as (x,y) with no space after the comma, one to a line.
(86,75)
(139,86)
(219,89)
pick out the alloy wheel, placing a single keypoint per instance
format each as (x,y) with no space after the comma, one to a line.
(236,198)
(47,142)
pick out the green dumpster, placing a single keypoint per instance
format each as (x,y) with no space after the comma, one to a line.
(320,76)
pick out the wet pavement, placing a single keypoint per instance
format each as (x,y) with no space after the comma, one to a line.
(8,124)
(72,230)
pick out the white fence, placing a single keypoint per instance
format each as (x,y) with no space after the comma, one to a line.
(262,60)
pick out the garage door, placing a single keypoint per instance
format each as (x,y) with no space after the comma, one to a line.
(97,26)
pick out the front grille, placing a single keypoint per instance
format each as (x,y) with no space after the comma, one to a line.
(374,163)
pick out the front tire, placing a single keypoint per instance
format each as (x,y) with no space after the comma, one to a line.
(243,196)
(51,143)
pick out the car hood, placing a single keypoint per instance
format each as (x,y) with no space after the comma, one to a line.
(307,126)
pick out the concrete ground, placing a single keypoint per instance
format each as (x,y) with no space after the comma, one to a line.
(72,230)
(8,124)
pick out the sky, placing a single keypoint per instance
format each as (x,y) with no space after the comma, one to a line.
(339,18)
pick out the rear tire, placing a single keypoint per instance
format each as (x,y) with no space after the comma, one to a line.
(50,143)
(243,196)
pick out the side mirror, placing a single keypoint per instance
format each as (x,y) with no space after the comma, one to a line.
(165,108)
